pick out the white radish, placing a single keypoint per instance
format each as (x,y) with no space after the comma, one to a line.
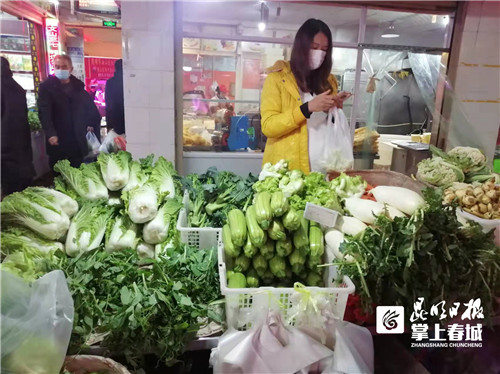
(367,210)
(350,225)
(334,239)
(405,200)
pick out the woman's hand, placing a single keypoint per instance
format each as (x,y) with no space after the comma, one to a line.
(321,103)
(342,96)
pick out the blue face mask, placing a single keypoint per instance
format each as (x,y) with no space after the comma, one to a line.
(62,74)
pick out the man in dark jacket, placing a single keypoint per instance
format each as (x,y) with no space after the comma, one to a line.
(17,157)
(115,110)
(67,112)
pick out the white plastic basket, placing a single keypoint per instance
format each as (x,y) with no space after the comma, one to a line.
(199,237)
(244,306)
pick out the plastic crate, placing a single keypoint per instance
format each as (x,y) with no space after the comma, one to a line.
(199,237)
(247,304)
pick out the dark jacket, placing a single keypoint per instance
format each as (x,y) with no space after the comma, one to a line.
(67,116)
(17,156)
(115,109)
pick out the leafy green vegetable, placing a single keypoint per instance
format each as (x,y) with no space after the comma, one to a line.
(213,194)
(86,181)
(429,254)
(87,228)
(18,239)
(346,186)
(115,169)
(29,209)
(164,178)
(121,233)
(157,230)
(142,203)
(67,204)
(34,121)
(143,309)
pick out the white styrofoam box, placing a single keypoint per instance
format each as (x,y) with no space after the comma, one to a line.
(245,306)
(200,237)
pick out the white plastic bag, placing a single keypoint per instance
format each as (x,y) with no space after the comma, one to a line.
(338,152)
(108,144)
(92,144)
(37,320)
(270,348)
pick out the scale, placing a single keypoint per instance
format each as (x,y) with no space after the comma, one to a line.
(414,146)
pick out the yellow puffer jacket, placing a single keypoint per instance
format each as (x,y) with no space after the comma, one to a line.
(282,120)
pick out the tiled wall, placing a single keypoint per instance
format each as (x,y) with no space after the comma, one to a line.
(148,67)
(478,76)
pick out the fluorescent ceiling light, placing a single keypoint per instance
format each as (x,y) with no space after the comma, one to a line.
(390,32)
(264,16)
(187,68)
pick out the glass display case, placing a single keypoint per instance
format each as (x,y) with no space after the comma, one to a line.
(15,46)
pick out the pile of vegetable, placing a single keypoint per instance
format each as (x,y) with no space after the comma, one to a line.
(387,201)
(479,199)
(272,244)
(429,254)
(115,201)
(110,226)
(137,306)
(213,194)
(313,188)
(460,164)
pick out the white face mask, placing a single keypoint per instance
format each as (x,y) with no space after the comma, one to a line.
(316,58)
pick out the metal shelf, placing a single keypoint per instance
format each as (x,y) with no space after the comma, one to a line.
(16,52)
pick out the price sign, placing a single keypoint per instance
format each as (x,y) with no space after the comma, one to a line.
(321,215)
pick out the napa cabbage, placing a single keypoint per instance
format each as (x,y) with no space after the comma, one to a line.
(18,239)
(115,169)
(157,230)
(87,228)
(67,204)
(121,233)
(31,210)
(86,180)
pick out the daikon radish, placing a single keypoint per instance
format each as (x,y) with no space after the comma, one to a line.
(405,200)
(350,225)
(366,210)
(334,239)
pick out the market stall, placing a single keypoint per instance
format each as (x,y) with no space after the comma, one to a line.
(146,261)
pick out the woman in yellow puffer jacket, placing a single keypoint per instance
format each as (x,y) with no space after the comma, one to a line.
(296,90)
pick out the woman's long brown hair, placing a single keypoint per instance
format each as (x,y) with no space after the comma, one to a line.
(308,80)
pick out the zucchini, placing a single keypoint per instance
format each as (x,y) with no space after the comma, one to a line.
(284,247)
(252,279)
(238,226)
(300,237)
(297,261)
(229,248)
(279,203)
(241,264)
(249,249)
(276,231)
(255,232)
(316,241)
(291,220)
(267,250)
(237,280)
(263,211)
(259,264)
